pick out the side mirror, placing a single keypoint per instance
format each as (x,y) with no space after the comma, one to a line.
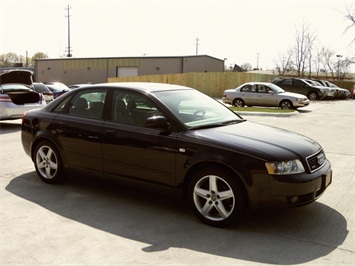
(157,122)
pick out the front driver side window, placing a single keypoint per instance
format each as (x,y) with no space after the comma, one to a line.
(133,109)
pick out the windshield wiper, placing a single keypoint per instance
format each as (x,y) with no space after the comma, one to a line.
(229,122)
(234,121)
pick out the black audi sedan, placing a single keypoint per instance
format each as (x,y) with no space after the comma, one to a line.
(178,137)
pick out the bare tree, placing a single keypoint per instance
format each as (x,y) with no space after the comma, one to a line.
(284,62)
(350,17)
(326,56)
(246,66)
(303,49)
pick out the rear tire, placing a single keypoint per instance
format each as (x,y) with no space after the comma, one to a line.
(217,197)
(238,103)
(48,163)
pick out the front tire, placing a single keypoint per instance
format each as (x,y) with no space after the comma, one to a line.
(217,197)
(48,163)
(313,96)
(285,104)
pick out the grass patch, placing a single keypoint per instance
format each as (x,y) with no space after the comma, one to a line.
(261,109)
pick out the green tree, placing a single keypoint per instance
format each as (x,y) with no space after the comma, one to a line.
(38,55)
(9,60)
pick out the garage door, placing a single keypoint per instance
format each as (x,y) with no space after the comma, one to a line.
(126,71)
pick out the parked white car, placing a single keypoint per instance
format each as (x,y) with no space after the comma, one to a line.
(16,97)
(264,94)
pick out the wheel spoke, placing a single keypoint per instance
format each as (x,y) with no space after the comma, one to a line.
(201,192)
(49,153)
(226,194)
(213,183)
(42,154)
(221,210)
(48,172)
(206,208)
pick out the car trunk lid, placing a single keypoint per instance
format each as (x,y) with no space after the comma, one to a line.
(13,84)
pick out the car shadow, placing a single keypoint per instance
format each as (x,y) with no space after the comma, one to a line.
(159,217)
(301,111)
(9,127)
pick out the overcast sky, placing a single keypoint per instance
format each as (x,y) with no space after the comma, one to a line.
(246,31)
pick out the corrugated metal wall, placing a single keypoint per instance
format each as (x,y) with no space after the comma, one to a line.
(98,70)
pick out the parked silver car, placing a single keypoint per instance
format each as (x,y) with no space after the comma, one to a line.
(42,88)
(263,94)
(16,97)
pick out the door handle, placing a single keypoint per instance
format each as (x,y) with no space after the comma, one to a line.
(110,133)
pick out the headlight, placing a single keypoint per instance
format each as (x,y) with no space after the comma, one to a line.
(285,167)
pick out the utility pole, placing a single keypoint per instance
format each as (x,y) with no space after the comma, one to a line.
(257,61)
(68,16)
(197,39)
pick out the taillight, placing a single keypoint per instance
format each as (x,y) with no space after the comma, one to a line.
(24,116)
(5,98)
(41,98)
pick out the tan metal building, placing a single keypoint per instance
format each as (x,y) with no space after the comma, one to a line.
(97,70)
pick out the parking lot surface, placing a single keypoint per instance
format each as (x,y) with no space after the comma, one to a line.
(88,222)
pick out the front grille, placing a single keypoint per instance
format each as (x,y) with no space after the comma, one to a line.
(316,161)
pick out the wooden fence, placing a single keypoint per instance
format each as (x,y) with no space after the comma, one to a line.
(212,83)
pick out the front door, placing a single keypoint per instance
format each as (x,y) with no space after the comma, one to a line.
(132,150)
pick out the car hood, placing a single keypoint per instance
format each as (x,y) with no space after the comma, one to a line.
(16,76)
(292,94)
(260,141)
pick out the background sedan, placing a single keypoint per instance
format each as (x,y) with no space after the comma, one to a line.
(16,97)
(263,94)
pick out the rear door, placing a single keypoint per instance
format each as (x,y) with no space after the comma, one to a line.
(249,94)
(79,130)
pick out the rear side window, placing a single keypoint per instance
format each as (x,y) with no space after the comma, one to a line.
(287,82)
(249,88)
(88,104)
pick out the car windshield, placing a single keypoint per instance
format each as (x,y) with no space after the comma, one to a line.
(197,110)
(276,88)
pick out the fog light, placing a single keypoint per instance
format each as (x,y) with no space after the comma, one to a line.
(294,199)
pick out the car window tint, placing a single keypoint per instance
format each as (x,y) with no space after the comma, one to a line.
(61,106)
(88,104)
(133,109)
(299,83)
(287,82)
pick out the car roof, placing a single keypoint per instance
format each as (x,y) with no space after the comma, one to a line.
(142,86)
(258,83)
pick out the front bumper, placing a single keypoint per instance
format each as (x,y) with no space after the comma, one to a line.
(302,189)
(301,103)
